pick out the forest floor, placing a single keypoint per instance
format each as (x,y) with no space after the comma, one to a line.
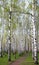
(20,60)
(25,60)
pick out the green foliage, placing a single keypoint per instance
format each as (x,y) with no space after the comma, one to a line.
(15,1)
(14,26)
(7,27)
(30,6)
(6,9)
(0,24)
(4,37)
(38,9)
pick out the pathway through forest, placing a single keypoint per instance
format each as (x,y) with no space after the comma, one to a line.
(19,61)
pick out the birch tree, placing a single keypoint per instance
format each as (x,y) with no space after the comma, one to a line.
(34,43)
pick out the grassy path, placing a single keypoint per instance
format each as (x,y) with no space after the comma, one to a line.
(20,60)
(29,60)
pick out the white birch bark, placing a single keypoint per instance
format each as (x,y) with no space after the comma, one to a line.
(9,49)
(34,31)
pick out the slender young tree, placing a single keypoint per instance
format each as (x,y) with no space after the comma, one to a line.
(9,50)
(34,30)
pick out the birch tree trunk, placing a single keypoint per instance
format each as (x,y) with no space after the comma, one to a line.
(9,49)
(34,31)
(2,20)
(1,47)
(25,43)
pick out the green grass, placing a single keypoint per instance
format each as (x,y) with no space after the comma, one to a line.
(13,57)
(29,60)
(4,59)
